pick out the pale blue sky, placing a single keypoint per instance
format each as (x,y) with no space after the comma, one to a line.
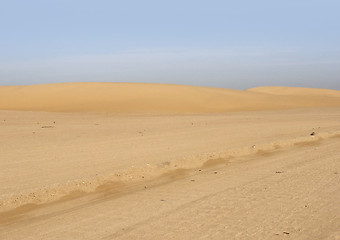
(231,44)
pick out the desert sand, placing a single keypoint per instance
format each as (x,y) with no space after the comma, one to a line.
(157,161)
(158,98)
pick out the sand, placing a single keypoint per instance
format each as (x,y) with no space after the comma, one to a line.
(117,161)
(158,98)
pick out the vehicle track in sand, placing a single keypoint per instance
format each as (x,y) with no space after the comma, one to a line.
(290,193)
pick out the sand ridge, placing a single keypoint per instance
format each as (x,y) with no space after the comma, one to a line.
(83,151)
(156,172)
(270,196)
(157,98)
(298,91)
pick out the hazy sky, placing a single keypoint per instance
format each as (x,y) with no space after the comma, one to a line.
(231,44)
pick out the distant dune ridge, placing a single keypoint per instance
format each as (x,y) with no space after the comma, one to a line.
(296,91)
(158,98)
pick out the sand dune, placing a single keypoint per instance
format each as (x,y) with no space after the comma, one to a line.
(298,91)
(129,161)
(157,98)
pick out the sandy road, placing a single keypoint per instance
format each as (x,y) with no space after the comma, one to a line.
(289,193)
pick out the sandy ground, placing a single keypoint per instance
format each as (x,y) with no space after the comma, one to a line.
(253,174)
(159,98)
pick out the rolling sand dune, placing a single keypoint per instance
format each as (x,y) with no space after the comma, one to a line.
(296,91)
(155,161)
(157,98)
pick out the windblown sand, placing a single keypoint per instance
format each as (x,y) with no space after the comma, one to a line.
(158,98)
(154,161)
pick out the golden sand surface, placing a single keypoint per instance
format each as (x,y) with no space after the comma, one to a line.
(158,98)
(153,161)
